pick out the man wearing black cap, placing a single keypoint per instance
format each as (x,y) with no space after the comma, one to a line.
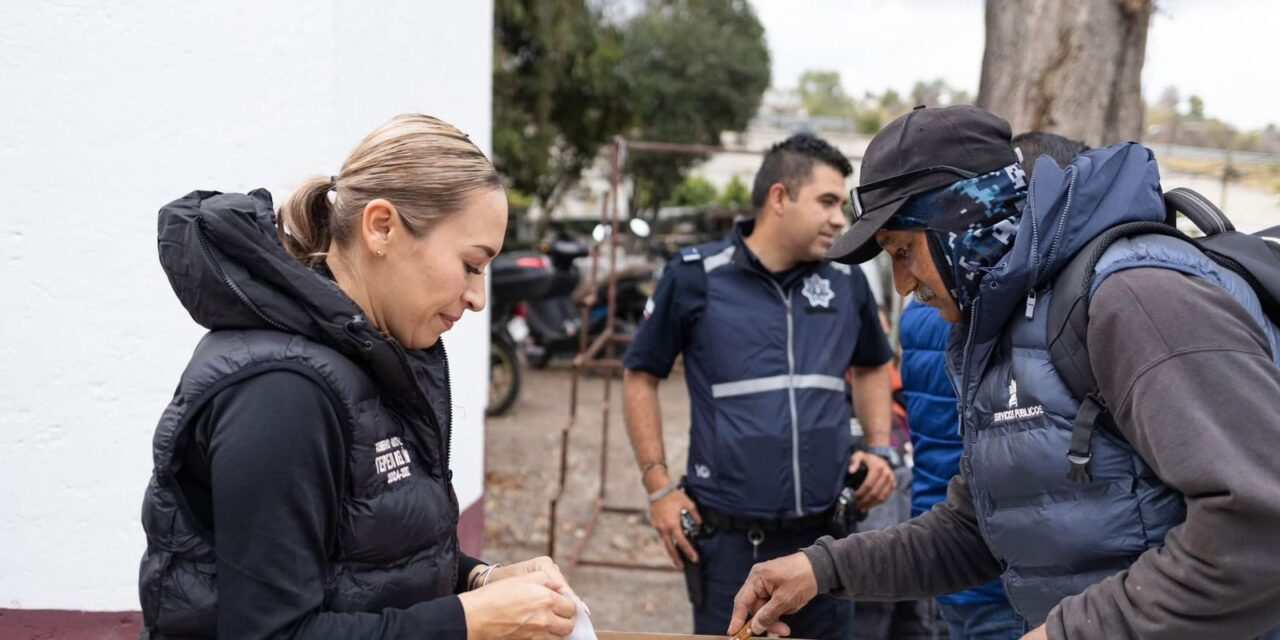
(1165,525)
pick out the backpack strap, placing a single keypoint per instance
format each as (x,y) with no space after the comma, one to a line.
(1254,257)
(1204,214)
(1069,333)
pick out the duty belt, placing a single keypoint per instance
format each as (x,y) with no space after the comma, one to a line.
(723,521)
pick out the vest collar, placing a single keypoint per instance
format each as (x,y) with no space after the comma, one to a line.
(745,258)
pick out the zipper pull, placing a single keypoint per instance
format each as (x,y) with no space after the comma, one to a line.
(1031,305)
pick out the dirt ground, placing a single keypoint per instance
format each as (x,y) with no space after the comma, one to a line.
(521,475)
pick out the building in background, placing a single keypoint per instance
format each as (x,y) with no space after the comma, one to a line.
(109,111)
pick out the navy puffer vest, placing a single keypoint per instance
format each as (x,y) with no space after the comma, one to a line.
(1054,538)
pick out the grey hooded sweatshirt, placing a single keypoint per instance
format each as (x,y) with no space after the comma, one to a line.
(1200,401)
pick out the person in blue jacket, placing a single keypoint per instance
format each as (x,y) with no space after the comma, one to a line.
(981,613)
(769,331)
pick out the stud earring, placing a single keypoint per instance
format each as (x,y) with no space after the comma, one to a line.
(379,252)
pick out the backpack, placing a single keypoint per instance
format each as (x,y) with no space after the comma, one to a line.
(1254,257)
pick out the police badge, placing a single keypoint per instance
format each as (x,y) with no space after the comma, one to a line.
(817,290)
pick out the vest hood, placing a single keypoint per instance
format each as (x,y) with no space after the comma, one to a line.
(225,262)
(1066,208)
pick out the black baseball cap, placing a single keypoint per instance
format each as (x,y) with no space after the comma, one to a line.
(928,148)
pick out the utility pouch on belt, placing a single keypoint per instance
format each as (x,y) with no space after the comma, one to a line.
(845,514)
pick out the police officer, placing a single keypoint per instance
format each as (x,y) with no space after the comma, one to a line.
(769,330)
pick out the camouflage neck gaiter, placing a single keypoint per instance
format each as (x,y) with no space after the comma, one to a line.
(971,225)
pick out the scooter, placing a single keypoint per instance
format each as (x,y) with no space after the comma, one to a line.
(635,286)
(553,318)
(555,321)
(517,277)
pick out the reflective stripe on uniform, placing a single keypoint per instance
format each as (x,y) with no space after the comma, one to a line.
(777,383)
(718,260)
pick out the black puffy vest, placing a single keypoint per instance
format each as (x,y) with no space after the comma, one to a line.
(396,540)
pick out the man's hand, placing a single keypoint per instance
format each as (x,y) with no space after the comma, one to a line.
(665,516)
(1037,633)
(774,589)
(880,482)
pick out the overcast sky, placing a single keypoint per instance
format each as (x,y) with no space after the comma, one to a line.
(1225,51)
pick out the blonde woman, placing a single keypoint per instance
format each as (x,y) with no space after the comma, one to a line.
(301,485)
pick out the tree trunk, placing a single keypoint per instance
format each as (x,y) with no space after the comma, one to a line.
(1070,67)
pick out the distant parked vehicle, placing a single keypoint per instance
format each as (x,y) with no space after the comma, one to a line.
(554,319)
(517,277)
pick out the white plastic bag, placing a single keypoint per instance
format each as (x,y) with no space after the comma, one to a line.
(582,628)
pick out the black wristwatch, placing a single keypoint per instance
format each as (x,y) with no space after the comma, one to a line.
(889,454)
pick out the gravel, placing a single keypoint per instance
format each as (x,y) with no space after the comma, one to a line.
(522,470)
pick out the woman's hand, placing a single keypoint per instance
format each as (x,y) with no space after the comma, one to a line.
(522,607)
(545,565)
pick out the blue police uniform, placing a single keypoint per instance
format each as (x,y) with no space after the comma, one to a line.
(765,361)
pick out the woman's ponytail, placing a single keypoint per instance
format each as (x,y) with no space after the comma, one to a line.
(306,219)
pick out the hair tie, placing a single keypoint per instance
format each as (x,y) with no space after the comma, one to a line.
(333,182)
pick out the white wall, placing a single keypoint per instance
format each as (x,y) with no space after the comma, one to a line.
(108,110)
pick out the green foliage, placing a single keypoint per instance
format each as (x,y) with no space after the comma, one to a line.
(1195,108)
(693,192)
(694,69)
(937,93)
(556,96)
(518,200)
(891,102)
(874,111)
(565,80)
(822,94)
(928,93)
(1246,140)
(868,122)
(736,194)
